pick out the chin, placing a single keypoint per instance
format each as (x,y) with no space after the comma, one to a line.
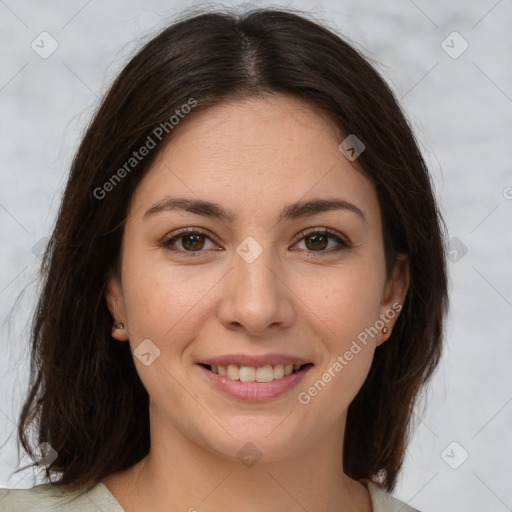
(256,438)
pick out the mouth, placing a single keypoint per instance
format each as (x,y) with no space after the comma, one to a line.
(257,374)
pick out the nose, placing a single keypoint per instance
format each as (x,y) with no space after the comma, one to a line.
(256,297)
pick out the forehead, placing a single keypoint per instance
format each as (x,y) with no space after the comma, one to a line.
(254,155)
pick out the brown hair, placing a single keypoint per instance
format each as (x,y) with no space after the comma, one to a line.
(85,396)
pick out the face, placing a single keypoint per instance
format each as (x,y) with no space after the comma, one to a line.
(263,286)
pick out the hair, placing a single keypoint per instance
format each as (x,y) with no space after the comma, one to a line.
(85,397)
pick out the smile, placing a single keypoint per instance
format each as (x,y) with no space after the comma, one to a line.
(266,373)
(254,383)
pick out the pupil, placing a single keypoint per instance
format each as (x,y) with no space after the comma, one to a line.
(193,237)
(316,244)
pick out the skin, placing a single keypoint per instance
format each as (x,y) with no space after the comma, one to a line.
(253,157)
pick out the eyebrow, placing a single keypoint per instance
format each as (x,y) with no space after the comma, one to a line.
(289,212)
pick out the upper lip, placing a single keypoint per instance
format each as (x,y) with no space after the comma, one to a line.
(253,360)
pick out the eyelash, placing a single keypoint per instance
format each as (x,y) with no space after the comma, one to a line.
(167,243)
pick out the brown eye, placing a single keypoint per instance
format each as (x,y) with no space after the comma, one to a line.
(187,241)
(318,240)
(192,242)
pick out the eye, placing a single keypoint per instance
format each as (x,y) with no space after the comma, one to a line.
(192,241)
(316,240)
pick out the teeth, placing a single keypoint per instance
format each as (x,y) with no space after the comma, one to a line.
(255,374)
(247,374)
(264,374)
(278,371)
(233,372)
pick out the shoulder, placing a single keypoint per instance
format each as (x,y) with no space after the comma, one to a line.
(383,502)
(50,498)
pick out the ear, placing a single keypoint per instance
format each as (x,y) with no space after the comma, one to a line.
(394,295)
(115,303)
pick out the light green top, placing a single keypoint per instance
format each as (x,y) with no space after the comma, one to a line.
(45,498)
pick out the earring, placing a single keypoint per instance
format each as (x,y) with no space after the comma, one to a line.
(120,326)
(385,330)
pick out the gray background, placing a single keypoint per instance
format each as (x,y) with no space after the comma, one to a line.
(460,109)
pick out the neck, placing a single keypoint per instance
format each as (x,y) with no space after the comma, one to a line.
(180,474)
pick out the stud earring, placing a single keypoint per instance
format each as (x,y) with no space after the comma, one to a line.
(385,330)
(120,326)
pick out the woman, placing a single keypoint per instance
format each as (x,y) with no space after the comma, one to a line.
(245,289)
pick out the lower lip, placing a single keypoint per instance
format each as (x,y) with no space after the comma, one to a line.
(256,391)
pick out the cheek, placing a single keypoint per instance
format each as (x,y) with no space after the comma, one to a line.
(165,303)
(342,313)
(166,306)
(342,306)
(344,301)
